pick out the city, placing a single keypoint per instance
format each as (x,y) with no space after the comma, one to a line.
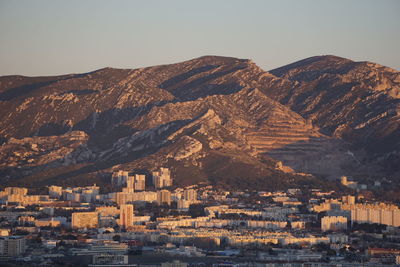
(181,133)
(146,221)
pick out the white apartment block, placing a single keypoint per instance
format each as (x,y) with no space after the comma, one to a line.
(164,197)
(333,223)
(380,214)
(140,182)
(162,178)
(190,195)
(126,215)
(119,178)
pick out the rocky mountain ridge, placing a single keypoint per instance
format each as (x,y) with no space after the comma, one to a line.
(214,119)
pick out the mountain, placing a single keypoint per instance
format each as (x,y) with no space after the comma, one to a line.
(214,119)
(358,102)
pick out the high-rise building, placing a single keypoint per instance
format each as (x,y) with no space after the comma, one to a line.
(190,195)
(123,198)
(88,195)
(377,213)
(349,200)
(55,191)
(164,197)
(387,217)
(140,182)
(396,218)
(85,219)
(333,223)
(374,216)
(12,246)
(162,178)
(130,182)
(73,197)
(126,215)
(128,190)
(130,185)
(119,178)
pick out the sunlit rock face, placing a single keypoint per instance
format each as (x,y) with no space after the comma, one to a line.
(214,119)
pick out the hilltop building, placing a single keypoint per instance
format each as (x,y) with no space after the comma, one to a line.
(344,181)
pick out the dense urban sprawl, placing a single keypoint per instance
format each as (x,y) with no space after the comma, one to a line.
(153,223)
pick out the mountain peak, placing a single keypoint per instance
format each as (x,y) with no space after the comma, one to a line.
(312,63)
(216,60)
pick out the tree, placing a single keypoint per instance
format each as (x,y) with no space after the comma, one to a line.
(197,210)
(331,252)
(117,238)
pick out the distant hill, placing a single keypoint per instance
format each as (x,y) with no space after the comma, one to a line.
(213,119)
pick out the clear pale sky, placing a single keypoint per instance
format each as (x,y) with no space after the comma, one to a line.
(48,37)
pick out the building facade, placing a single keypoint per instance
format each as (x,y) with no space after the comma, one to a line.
(164,197)
(162,178)
(333,223)
(12,246)
(85,220)
(126,215)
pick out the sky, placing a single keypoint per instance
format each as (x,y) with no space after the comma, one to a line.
(50,37)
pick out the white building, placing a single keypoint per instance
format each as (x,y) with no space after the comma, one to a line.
(140,182)
(126,215)
(119,178)
(162,178)
(55,191)
(333,223)
(164,196)
(380,214)
(190,195)
(85,220)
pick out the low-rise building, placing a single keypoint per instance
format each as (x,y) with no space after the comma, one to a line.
(85,220)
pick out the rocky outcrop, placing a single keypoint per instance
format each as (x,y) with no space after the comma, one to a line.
(22,157)
(191,147)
